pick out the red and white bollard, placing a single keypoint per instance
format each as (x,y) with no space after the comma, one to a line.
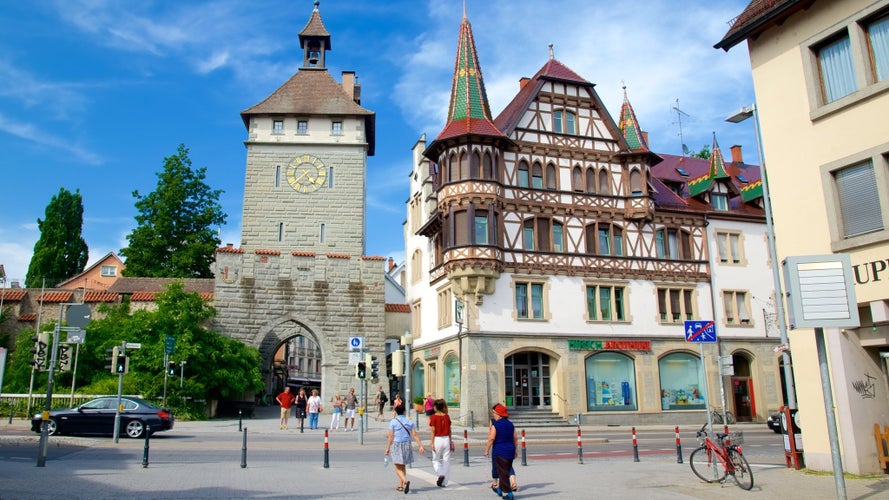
(524,455)
(635,447)
(579,447)
(678,447)
(465,448)
(326,451)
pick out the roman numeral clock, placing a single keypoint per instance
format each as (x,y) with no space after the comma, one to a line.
(306,173)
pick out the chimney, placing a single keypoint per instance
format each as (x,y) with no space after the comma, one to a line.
(737,157)
(349,84)
(523,81)
(391,264)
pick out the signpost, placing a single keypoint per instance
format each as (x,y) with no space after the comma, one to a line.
(703,332)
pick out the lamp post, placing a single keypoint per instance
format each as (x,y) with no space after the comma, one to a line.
(737,117)
(406,340)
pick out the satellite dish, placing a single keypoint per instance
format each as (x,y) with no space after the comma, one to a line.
(79,315)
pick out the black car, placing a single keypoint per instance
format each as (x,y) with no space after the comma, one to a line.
(774,422)
(97,417)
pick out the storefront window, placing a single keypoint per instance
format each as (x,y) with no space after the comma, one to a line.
(452,380)
(681,385)
(610,382)
(417,381)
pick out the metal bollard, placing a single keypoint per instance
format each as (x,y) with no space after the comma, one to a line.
(465,448)
(472,420)
(579,447)
(524,452)
(326,450)
(11,411)
(244,451)
(240,420)
(145,450)
(678,447)
(635,447)
(302,420)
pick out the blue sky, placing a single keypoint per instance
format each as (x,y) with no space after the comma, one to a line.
(95,93)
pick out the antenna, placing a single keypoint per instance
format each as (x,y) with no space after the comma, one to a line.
(678,121)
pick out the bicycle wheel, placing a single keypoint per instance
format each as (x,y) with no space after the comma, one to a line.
(730,417)
(743,474)
(717,417)
(706,466)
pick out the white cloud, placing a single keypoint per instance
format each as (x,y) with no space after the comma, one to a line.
(31,133)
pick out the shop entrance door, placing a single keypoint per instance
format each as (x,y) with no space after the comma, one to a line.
(527,380)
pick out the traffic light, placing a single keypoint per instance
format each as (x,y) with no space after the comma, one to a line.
(40,352)
(361,370)
(171,368)
(398,363)
(120,362)
(374,369)
(110,359)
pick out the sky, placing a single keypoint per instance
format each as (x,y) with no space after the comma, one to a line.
(94,94)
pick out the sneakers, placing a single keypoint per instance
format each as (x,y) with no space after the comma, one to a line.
(440,482)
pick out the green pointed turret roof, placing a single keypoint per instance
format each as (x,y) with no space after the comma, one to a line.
(701,184)
(629,126)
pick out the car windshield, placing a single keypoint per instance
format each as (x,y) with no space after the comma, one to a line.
(97,404)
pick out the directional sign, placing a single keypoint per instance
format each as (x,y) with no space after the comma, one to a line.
(700,331)
(355,343)
(169,344)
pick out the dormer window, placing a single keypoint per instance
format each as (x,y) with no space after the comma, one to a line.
(564,122)
(719,201)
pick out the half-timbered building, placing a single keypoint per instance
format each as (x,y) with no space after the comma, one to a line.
(553,260)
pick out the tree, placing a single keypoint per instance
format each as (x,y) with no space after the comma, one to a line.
(704,153)
(176,235)
(61,251)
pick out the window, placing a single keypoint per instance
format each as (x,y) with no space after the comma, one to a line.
(719,201)
(474,162)
(109,271)
(728,245)
(558,237)
(464,166)
(322,233)
(564,122)
(604,188)
(604,239)
(416,266)
(878,47)
(673,244)
(452,380)
(488,167)
(336,128)
(302,127)
(453,169)
(681,384)
(837,69)
(636,187)
(675,305)
(537,176)
(577,179)
(551,177)
(737,309)
(444,308)
(461,228)
(859,200)
(416,323)
(528,234)
(536,235)
(524,174)
(610,382)
(481,228)
(528,300)
(605,303)
(278,126)
(590,181)
(330,177)
(277,175)
(280,231)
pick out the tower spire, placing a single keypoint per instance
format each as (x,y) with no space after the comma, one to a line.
(629,125)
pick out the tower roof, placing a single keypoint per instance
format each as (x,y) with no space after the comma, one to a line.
(314,29)
(701,184)
(629,126)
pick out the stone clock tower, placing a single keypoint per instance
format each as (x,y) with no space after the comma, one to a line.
(300,269)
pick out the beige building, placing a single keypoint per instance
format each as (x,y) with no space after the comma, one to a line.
(821,74)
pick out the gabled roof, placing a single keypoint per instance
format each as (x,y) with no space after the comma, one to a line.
(757,17)
(468,111)
(110,256)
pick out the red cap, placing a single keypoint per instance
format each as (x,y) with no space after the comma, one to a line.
(499,409)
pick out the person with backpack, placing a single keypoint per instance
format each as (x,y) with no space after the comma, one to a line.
(380,400)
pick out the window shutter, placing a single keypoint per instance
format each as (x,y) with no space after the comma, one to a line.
(859,201)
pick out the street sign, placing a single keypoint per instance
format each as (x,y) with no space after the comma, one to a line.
(703,331)
(76,337)
(355,343)
(133,345)
(458,312)
(169,344)
(79,315)
(354,358)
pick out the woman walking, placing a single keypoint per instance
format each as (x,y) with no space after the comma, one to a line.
(503,442)
(442,444)
(301,402)
(398,446)
(337,411)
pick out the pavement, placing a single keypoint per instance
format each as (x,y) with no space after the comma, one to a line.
(209,460)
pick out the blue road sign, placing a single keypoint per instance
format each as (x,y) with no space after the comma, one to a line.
(700,331)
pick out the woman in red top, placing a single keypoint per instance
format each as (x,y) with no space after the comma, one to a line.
(442,445)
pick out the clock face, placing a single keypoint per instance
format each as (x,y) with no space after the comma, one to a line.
(306,173)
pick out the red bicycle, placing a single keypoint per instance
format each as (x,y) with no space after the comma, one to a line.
(714,461)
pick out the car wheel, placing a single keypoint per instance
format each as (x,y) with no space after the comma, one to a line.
(135,428)
(777,430)
(52,427)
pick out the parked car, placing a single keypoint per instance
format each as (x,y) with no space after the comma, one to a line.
(97,417)
(774,422)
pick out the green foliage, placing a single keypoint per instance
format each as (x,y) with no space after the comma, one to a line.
(61,251)
(176,235)
(704,153)
(216,367)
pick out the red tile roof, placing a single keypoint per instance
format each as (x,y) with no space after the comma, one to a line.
(229,249)
(13,294)
(296,253)
(55,297)
(338,256)
(373,257)
(99,297)
(758,16)
(28,317)
(398,308)
(262,251)
(143,296)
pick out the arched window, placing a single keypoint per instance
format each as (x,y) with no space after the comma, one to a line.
(590,181)
(636,183)
(453,169)
(610,382)
(577,179)
(464,166)
(551,177)
(564,122)
(524,175)
(537,176)
(487,167)
(473,165)
(604,188)
(416,266)
(681,384)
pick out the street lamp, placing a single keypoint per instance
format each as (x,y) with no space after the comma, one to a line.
(737,117)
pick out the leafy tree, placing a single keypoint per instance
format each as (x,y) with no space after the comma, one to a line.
(175,236)
(704,153)
(61,251)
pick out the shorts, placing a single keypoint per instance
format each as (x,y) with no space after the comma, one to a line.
(285,412)
(350,413)
(429,413)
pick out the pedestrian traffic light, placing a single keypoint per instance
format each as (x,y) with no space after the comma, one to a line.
(361,370)
(171,368)
(121,363)
(40,351)
(398,363)
(374,368)
(112,356)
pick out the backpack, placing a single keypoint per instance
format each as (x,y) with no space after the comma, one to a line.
(383,397)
